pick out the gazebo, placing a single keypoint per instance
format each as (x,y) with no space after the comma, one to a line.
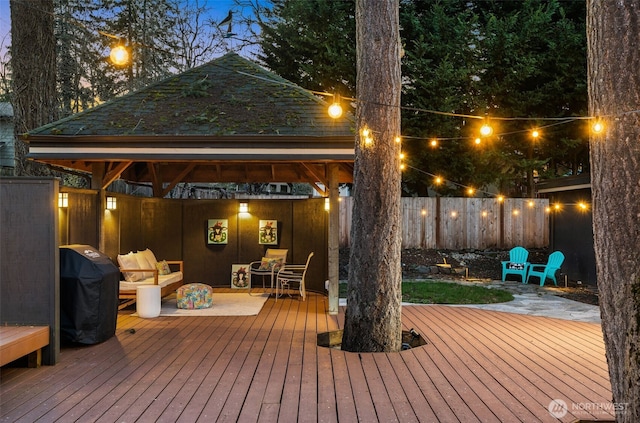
(229,120)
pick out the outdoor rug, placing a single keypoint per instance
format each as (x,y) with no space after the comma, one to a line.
(223,305)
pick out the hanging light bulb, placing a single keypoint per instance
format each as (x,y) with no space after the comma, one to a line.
(597,127)
(119,55)
(486,129)
(433,142)
(535,134)
(366,136)
(335,110)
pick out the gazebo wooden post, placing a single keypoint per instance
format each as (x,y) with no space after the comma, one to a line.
(97,175)
(333,238)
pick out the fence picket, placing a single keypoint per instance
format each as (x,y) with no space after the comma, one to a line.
(462,223)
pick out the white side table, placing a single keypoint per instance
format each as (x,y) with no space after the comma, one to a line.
(148,301)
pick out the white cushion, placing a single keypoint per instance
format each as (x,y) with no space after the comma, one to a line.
(128,261)
(151,258)
(144,264)
(162,281)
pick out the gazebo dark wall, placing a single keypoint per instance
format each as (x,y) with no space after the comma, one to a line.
(571,229)
(177,230)
(29,258)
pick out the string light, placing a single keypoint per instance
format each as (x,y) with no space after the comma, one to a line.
(486,130)
(366,134)
(335,109)
(119,55)
(597,127)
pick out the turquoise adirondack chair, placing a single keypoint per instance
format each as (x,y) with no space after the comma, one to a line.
(517,264)
(549,270)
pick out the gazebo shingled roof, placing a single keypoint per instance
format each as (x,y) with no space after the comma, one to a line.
(229,120)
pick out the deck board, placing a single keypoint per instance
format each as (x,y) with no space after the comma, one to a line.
(478,366)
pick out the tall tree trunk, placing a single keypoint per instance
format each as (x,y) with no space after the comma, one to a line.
(614,86)
(373,316)
(33,60)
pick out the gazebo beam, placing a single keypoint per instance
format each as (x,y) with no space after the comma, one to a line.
(156,179)
(178,178)
(114,173)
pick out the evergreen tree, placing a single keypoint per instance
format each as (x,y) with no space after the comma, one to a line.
(534,66)
(504,59)
(147,27)
(441,60)
(311,43)
(80,62)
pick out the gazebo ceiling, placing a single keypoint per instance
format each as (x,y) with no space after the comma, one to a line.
(229,120)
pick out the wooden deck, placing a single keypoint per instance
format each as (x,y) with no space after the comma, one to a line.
(478,366)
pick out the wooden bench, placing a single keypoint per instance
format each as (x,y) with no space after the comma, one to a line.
(19,341)
(128,297)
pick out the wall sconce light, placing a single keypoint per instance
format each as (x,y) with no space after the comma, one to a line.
(63,200)
(327,204)
(112,203)
(244,208)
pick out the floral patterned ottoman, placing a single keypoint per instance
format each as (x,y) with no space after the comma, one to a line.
(194,295)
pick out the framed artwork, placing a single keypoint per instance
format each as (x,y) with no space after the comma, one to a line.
(218,231)
(268,232)
(239,276)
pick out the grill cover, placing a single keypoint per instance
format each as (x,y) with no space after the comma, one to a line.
(89,283)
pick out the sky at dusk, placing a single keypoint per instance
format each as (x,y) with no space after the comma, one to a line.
(218,11)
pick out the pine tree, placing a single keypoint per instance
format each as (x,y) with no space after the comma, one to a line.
(614,83)
(373,316)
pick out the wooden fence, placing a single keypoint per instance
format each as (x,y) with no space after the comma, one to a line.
(461,223)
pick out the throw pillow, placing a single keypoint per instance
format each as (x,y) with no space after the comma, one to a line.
(270,263)
(163,267)
(128,261)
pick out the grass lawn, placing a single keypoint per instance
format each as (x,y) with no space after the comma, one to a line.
(439,292)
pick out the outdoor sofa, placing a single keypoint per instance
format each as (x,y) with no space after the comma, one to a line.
(142,268)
